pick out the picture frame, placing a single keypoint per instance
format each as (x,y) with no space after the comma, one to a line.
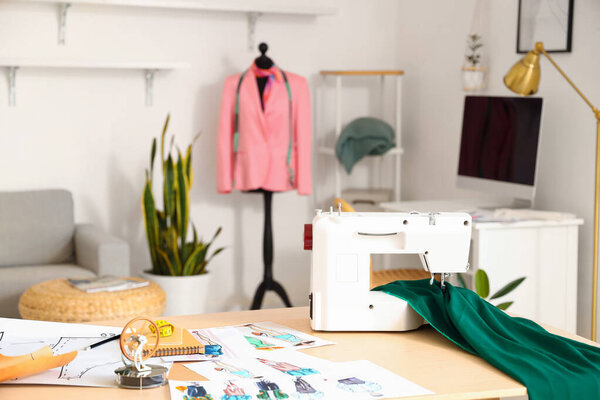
(547,21)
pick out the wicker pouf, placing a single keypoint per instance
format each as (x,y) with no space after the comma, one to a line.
(57,300)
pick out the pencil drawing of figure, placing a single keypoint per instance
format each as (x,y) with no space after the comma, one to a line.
(234,392)
(305,391)
(261,344)
(275,334)
(356,385)
(238,372)
(194,392)
(266,387)
(288,368)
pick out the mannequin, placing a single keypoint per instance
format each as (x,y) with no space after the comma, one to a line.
(268,283)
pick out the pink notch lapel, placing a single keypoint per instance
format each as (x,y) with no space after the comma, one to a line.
(251,88)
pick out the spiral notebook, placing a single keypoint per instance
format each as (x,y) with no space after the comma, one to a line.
(181,342)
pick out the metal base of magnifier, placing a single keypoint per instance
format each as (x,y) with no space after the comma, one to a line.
(130,378)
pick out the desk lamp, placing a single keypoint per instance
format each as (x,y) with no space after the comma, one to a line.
(524,78)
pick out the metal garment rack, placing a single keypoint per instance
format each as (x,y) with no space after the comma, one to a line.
(395,152)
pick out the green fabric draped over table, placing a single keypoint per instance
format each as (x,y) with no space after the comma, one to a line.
(550,366)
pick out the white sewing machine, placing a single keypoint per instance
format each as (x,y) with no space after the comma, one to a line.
(342,244)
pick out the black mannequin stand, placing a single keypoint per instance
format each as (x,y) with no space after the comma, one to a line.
(268,282)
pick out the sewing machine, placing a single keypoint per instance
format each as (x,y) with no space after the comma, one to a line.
(342,244)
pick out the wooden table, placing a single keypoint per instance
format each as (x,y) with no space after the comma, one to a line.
(423,356)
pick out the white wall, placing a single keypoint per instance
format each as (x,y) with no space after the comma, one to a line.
(432,42)
(89,131)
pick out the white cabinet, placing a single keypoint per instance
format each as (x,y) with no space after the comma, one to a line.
(545,252)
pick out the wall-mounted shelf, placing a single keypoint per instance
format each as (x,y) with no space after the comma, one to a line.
(253,11)
(148,69)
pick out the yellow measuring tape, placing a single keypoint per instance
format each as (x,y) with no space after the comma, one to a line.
(165,328)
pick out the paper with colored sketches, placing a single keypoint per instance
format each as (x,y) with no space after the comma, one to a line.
(243,389)
(89,368)
(274,365)
(264,337)
(366,380)
(225,368)
(304,377)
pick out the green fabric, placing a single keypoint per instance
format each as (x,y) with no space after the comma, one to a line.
(363,137)
(550,366)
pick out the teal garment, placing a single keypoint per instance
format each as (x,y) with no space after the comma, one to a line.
(550,366)
(363,137)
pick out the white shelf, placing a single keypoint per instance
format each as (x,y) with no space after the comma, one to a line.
(91,64)
(147,68)
(330,151)
(207,5)
(397,152)
(250,8)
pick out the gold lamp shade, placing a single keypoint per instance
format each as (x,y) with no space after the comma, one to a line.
(524,77)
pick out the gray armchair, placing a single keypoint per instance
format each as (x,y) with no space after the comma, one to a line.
(40,241)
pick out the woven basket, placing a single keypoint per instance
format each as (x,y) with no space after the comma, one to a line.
(57,300)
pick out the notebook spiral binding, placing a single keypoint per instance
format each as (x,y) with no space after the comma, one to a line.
(177,351)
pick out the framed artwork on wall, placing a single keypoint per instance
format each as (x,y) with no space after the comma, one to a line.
(548,21)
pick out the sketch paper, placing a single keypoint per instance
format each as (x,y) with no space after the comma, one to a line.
(365,380)
(226,368)
(243,389)
(291,363)
(281,367)
(265,337)
(231,342)
(89,368)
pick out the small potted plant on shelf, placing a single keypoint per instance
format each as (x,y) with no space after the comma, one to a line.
(473,73)
(178,260)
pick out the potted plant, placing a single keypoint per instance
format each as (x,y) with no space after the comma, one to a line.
(178,260)
(482,288)
(473,74)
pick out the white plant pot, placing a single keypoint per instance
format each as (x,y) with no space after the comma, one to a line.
(185,294)
(473,78)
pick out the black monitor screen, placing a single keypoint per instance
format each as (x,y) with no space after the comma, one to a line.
(500,138)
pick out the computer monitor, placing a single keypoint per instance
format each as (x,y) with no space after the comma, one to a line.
(499,145)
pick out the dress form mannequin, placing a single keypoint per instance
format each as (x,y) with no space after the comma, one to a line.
(268,283)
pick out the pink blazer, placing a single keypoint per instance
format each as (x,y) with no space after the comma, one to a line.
(261,161)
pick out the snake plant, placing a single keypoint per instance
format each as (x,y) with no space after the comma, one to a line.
(171,250)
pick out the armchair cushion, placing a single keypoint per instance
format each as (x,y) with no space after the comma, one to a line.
(36,227)
(101,252)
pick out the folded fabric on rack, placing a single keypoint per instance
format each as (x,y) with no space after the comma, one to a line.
(363,137)
(550,366)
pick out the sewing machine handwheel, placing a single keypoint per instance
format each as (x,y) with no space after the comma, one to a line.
(143,326)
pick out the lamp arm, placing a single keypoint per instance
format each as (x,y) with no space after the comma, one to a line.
(594,109)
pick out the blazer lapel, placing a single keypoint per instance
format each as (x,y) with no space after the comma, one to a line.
(278,97)
(251,88)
